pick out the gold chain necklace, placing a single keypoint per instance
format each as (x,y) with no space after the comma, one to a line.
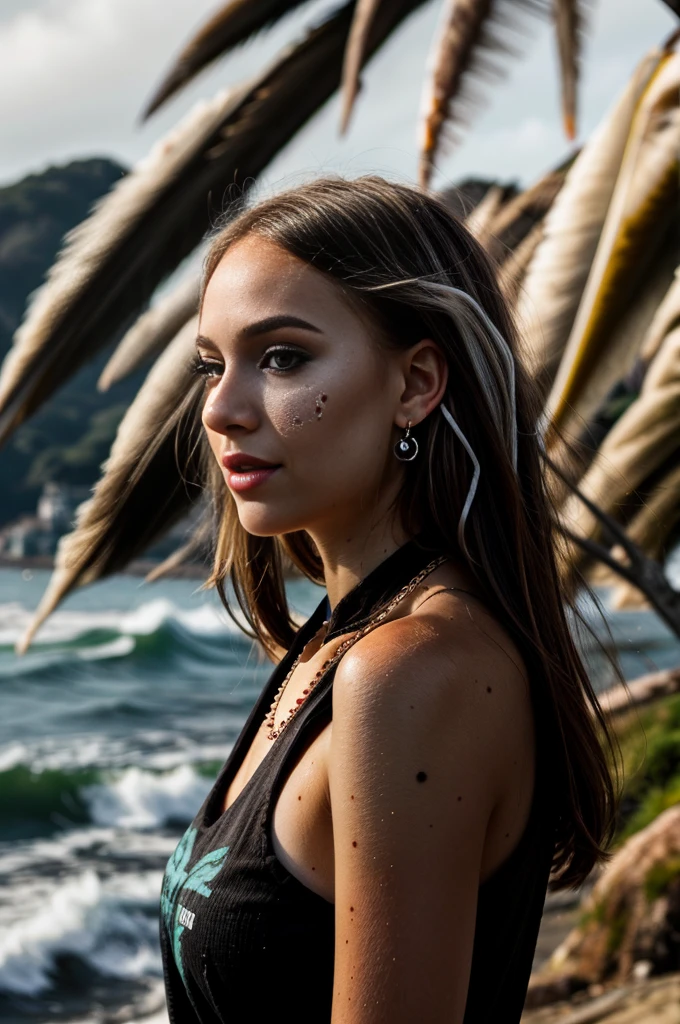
(270,719)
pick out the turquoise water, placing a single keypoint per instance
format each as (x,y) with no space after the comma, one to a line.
(112,729)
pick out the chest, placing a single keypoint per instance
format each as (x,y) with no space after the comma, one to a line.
(301,826)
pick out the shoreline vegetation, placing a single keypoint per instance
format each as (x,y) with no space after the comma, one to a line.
(610,951)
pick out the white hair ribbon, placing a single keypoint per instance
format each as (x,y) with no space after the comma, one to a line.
(503,348)
(475,476)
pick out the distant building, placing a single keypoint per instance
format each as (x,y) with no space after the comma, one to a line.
(38,535)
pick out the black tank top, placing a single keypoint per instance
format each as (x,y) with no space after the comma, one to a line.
(243,940)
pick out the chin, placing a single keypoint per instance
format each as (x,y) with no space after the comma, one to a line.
(266,523)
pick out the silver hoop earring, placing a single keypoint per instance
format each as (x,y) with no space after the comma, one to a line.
(406,449)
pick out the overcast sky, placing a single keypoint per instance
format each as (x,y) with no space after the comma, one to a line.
(74,75)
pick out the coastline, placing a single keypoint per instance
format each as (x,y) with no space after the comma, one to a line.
(139,567)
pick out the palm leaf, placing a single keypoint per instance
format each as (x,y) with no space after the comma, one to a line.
(652,528)
(479,221)
(519,216)
(151,333)
(194,549)
(234,23)
(554,282)
(157,215)
(641,212)
(638,444)
(665,318)
(150,480)
(514,269)
(472,40)
(569,20)
(354,53)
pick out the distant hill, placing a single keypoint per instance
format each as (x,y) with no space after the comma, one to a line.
(69,438)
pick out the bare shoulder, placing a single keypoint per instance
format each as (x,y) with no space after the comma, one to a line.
(449,658)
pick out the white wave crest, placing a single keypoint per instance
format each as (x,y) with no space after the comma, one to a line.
(142,799)
(68,625)
(105,925)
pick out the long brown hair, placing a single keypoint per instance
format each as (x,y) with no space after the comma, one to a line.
(407,263)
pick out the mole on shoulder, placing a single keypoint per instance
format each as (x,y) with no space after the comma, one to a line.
(421,776)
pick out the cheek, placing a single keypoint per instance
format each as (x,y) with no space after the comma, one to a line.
(298,408)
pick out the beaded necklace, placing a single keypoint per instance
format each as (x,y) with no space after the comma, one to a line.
(270,720)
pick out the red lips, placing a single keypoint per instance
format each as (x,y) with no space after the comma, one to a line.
(247,471)
(242,462)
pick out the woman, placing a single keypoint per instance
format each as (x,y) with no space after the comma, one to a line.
(377,847)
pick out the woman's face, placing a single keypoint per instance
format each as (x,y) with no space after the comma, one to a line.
(294,377)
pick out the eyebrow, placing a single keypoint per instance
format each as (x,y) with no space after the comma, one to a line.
(270,323)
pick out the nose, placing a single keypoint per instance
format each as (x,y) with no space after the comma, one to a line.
(230,406)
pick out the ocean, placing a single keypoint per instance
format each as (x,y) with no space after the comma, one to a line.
(112,729)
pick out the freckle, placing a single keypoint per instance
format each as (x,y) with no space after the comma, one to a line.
(351,909)
(460,798)
(313,869)
(411,706)
(507,835)
(346,942)
(354,842)
(299,798)
(324,398)
(421,776)
(352,796)
(431,826)
(488,689)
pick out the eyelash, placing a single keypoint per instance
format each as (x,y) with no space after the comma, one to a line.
(212,368)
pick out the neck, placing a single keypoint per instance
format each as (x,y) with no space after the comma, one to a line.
(348,558)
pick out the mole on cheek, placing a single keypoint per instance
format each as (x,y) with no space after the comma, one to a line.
(321,398)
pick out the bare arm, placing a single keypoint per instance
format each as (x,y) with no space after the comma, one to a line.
(419,754)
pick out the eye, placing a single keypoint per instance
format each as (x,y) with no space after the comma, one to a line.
(206,367)
(282,359)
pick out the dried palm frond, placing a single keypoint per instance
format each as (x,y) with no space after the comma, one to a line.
(637,445)
(653,528)
(665,318)
(155,329)
(555,280)
(514,269)
(619,359)
(150,480)
(519,216)
(643,205)
(569,21)
(113,261)
(234,23)
(354,54)
(472,40)
(195,548)
(157,216)
(478,222)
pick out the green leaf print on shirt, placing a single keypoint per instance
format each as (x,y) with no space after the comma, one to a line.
(177,877)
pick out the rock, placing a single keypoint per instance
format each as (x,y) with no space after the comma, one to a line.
(630,921)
